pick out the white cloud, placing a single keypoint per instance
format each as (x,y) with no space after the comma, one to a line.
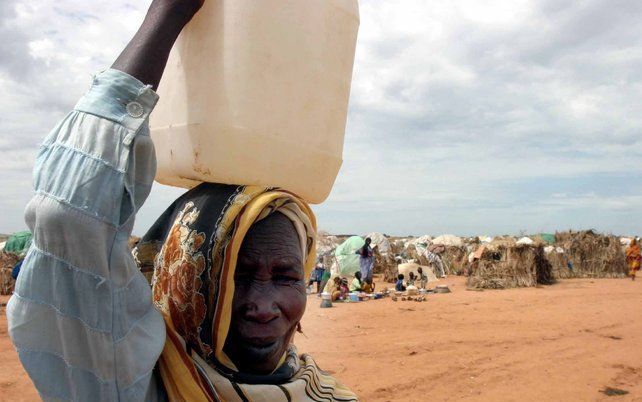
(458,109)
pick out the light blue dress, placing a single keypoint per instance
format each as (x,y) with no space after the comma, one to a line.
(82,317)
(366,264)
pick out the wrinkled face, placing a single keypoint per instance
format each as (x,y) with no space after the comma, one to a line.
(269,295)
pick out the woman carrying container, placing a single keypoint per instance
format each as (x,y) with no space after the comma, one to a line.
(230,265)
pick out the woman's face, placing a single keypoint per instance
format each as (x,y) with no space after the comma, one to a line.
(269,296)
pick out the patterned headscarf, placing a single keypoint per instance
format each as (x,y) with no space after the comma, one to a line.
(194,246)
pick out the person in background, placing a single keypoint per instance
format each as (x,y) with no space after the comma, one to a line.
(317,276)
(411,279)
(368,286)
(423,279)
(333,287)
(633,258)
(433,254)
(399,286)
(16,270)
(355,285)
(325,277)
(366,260)
(344,288)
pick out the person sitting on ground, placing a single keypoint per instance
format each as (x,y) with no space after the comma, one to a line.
(423,279)
(231,262)
(355,286)
(345,289)
(333,287)
(411,279)
(399,286)
(368,286)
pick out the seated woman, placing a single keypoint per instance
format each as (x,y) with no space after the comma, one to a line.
(368,286)
(345,289)
(333,287)
(230,262)
(355,285)
(411,279)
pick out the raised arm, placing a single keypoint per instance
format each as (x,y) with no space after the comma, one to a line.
(81,316)
(146,54)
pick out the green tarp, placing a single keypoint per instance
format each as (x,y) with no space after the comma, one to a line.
(18,243)
(347,256)
(547,237)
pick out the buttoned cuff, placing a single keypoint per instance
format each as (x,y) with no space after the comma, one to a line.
(117,96)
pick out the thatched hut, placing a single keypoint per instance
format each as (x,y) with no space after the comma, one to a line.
(509,266)
(7,262)
(385,264)
(591,255)
(455,259)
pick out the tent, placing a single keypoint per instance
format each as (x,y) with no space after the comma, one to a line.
(347,256)
(525,241)
(380,241)
(448,240)
(18,243)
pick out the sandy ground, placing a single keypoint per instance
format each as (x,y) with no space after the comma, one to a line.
(565,342)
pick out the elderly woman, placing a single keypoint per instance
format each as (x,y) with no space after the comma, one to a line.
(230,262)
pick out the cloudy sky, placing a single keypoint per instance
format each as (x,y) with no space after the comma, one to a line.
(466,116)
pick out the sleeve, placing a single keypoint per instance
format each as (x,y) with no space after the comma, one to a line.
(82,317)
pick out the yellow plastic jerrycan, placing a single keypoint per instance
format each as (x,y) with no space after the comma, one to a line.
(256,92)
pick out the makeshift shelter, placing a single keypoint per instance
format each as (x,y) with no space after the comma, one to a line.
(525,240)
(448,240)
(385,264)
(381,241)
(7,262)
(455,259)
(590,254)
(425,239)
(561,265)
(548,238)
(347,257)
(326,243)
(397,246)
(505,266)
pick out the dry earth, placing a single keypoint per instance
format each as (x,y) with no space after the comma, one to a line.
(565,342)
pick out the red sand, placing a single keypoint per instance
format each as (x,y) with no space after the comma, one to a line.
(564,342)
